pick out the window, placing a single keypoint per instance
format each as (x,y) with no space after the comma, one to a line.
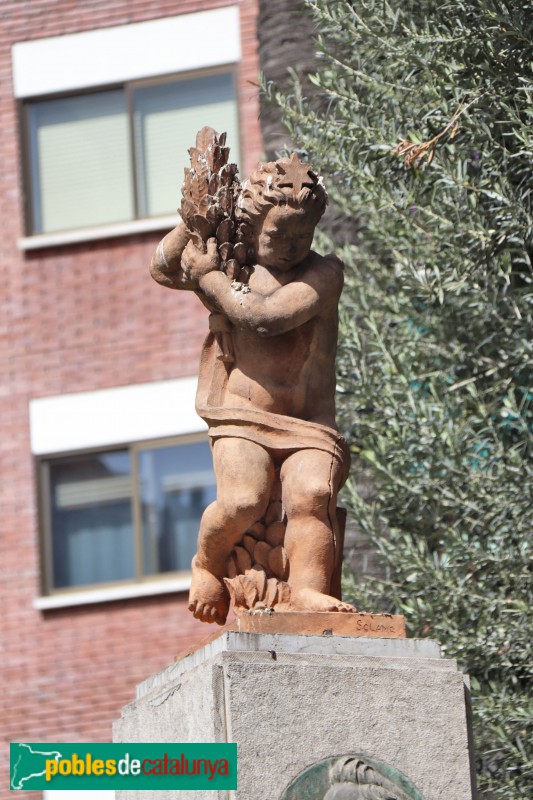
(108,112)
(125,514)
(116,155)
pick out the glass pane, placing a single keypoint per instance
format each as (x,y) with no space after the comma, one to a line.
(177,483)
(80,161)
(167,117)
(92,528)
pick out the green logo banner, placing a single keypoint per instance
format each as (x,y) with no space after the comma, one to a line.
(123,766)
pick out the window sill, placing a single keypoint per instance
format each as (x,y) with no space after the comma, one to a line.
(43,240)
(110,593)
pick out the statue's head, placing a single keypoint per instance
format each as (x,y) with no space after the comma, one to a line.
(351,778)
(280,205)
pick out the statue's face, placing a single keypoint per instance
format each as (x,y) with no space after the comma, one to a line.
(284,238)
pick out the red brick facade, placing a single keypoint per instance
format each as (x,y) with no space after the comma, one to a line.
(76,318)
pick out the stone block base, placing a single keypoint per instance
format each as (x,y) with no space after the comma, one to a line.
(290,700)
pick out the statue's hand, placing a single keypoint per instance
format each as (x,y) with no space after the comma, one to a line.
(195,263)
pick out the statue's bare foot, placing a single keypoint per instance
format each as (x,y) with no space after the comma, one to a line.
(208,597)
(311,600)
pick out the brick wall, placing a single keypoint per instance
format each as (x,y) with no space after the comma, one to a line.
(75,318)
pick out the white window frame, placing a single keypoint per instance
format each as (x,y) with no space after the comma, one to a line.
(149,414)
(107,57)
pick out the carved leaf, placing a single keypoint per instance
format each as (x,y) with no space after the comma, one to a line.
(225,231)
(249,589)
(225,200)
(261,553)
(278,562)
(257,575)
(275,533)
(215,158)
(257,531)
(245,274)
(213,184)
(212,216)
(203,205)
(284,592)
(271,594)
(196,192)
(207,156)
(242,557)
(225,251)
(194,154)
(241,233)
(208,192)
(231,567)
(249,542)
(227,172)
(236,591)
(202,170)
(203,184)
(233,270)
(201,225)
(224,155)
(274,512)
(187,211)
(239,252)
(205,137)
(196,239)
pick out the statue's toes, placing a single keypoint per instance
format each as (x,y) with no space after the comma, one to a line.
(198,610)
(217,615)
(346,608)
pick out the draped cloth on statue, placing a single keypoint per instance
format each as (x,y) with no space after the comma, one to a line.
(272,431)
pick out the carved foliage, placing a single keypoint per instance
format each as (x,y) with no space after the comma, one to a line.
(209,195)
(258,567)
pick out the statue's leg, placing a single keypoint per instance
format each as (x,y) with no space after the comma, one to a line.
(310,482)
(244,473)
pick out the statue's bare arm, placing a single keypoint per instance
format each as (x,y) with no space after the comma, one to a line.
(286,308)
(178,264)
(166,266)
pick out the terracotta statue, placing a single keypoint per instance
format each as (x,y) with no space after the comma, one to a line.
(266,382)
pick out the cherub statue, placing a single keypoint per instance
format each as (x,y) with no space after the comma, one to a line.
(266,389)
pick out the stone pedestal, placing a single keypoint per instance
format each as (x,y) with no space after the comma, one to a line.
(290,700)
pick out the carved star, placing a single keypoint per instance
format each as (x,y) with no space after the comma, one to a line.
(295,174)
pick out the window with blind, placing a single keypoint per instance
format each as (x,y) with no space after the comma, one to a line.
(117,155)
(123,515)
